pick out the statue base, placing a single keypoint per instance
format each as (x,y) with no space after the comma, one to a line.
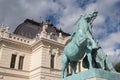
(94,74)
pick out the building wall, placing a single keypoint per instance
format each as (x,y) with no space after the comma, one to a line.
(37,56)
(46,71)
(35,64)
(0,52)
(40,62)
(7,48)
(6,57)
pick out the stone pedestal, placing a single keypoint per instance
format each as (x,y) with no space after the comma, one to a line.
(96,79)
(94,74)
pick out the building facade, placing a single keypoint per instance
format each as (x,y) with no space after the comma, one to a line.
(32,52)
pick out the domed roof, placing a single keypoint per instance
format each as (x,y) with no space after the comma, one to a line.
(30,28)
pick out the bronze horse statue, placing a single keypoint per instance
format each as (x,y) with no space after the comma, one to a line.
(81,43)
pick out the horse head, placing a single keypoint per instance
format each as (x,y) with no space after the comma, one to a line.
(87,17)
(90,17)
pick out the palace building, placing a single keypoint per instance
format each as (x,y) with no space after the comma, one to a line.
(32,52)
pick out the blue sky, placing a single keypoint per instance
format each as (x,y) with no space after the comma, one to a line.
(64,14)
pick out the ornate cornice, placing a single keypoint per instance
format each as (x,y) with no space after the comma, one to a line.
(48,41)
(16,45)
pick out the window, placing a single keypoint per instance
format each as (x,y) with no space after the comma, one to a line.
(20,65)
(52,61)
(13,59)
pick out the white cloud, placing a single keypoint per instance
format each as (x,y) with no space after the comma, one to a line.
(68,10)
(113,55)
(111,41)
(14,12)
(100,19)
(109,46)
(69,21)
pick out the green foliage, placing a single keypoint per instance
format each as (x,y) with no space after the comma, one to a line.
(117,67)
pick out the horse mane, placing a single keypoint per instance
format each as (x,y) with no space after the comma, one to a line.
(73,34)
(79,19)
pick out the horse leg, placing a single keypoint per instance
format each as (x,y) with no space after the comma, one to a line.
(64,66)
(73,65)
(89,56)
(100,59)
(109,65)
(89,52)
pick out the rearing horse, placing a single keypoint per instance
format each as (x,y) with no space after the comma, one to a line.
(78,46)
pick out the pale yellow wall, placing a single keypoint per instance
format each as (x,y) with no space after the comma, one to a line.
(12,74)
(0,53)
(6,58)
(45,57)
(35,63)
(36,58)
(13,78)
(58,62)
(35,74)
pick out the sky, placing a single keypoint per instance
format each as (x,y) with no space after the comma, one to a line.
(64,14)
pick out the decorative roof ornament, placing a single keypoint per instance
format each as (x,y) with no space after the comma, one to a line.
(60,29)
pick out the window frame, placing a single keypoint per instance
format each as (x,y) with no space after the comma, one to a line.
(13,61)
(20,63)
(52,61)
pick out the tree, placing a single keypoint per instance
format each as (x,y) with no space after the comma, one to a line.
(117,67)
